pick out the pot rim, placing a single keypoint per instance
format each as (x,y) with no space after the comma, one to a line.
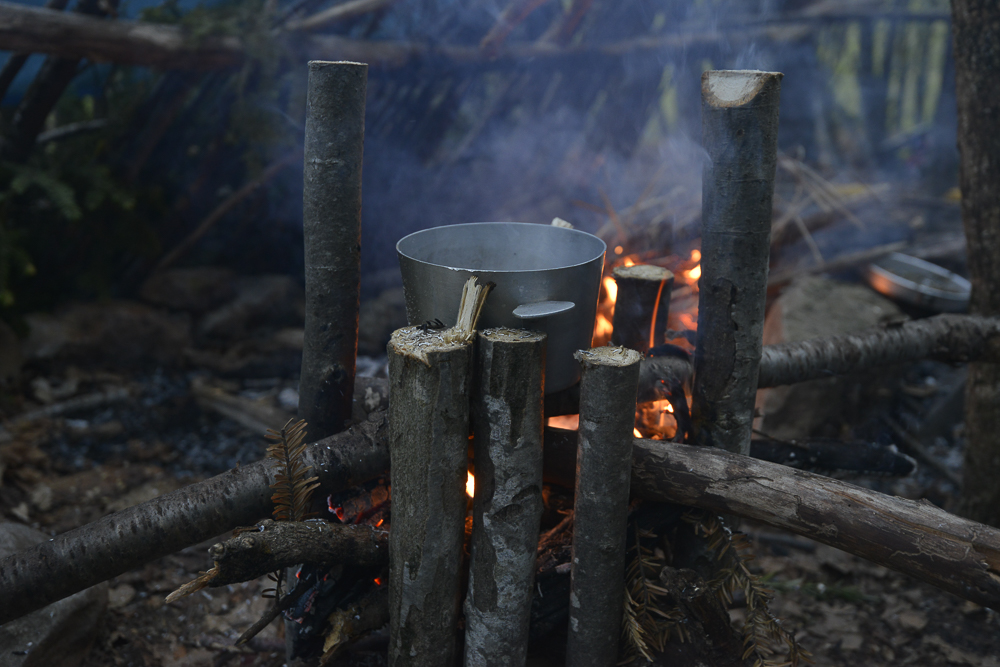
(603,249)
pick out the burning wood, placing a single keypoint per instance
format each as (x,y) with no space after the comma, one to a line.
(641,306)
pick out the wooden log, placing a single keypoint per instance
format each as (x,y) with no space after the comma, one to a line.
(641,306)
(506,418)
(428,439)
(331,227)
(70,35)
(128,539)
(943,337)
(275,545)
(607,408)
(912,537)
(740,133)
(977,57)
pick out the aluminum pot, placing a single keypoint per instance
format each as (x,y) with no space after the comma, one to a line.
(547,279)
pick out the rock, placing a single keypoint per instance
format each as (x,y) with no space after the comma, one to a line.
(59,634)
(110,334)
(814,307)
(261,302)
(379,317)
(10,355)
(197,290)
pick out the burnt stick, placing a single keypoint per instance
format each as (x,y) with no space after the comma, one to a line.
(641,306)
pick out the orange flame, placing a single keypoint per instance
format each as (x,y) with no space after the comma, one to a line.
(694,274)
(636,433)
(611,288)
(569,422)
(470,485)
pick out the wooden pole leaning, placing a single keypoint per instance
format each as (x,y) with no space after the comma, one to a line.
(429,377)
(641,306)
(331,225)
(597,587)
(740,132)
(507,427)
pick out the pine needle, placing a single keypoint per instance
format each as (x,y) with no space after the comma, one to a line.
(292,489)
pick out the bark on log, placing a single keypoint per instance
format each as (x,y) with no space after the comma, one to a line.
(128,539)
(977,59)
(641,306)
(597,588)
(275,545)
(915,538)
(740,132)
(506,418)
(429,439)
(943,337)
(331,227)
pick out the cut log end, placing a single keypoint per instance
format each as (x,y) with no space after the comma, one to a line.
(504,335)
(320,64)
(418,343)
(734,88)
(607,356)
(642,272)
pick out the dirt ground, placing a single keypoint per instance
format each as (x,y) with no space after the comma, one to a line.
(63,471)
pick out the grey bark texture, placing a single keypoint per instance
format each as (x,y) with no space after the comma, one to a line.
(943,337)
(429,382)
(135,536)
(912,537)
(642,306)
(597,578)
(740,133)
(331,226)
(506,416)
(976,31)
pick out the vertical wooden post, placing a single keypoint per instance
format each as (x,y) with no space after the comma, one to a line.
(977,57)
(740,132)
(642,306)
(428,448)
(506,420)
(597,587)
(331,226)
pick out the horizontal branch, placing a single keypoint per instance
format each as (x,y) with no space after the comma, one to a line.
(39,30)
(944,337)
(275,545)
(915,538)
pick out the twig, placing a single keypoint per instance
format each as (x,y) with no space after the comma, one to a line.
(68,130)
(839,263)
(222,209)
(345,11)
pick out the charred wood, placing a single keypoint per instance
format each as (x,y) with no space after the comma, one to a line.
(274,545)
(740,132)
(642,306)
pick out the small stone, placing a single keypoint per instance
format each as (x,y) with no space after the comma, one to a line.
(851,642)
(912,620)
(119,596)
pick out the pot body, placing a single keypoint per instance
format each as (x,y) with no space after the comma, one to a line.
(529,263)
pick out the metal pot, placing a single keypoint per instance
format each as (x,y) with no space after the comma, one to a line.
(547,279)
